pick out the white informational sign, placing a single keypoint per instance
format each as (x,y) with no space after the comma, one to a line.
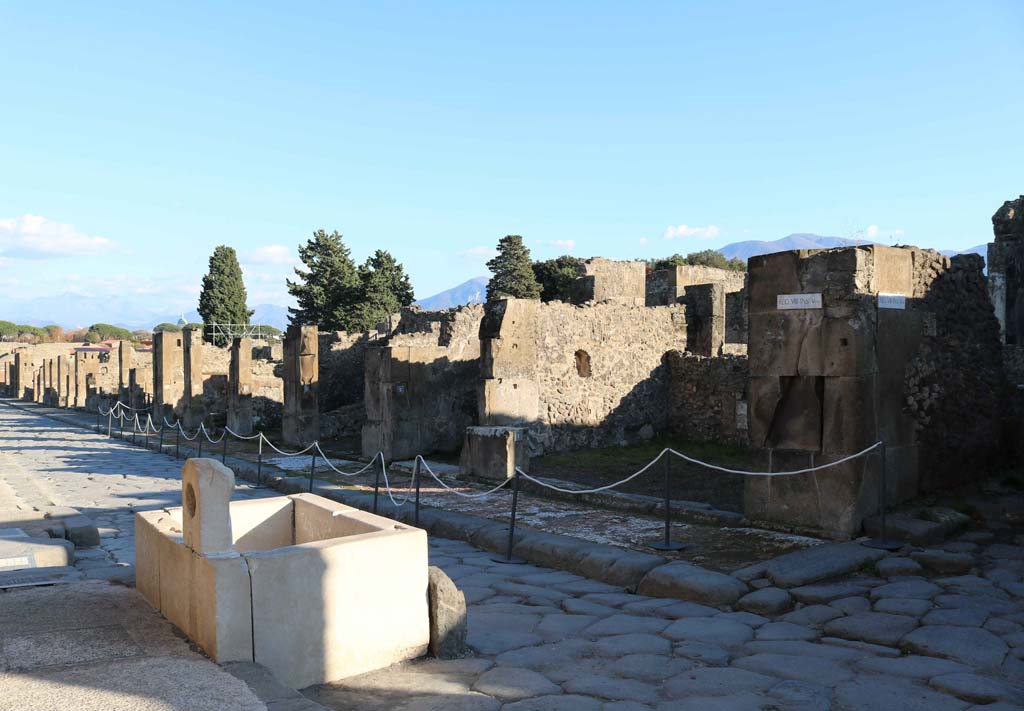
(798,301)
(892,301)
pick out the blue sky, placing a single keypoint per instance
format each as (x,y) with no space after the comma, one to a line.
(135,137)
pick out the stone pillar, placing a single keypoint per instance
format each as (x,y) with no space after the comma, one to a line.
(705,318)
(168,374)
(301,422)
(125,351)
(86,363)
(22,376)
(193,408)
(240,387)
(51,382)
(1006,270)
(40,384)
(62,377)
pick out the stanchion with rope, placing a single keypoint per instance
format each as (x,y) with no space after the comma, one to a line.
(416,483)
(667,544)
(312,471)
(376,482)
(509,559)
(224,449)
(259,462)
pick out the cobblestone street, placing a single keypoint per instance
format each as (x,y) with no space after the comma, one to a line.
(937,629)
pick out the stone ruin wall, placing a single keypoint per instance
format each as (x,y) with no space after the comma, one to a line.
(342,382)
(707,397)
(578,376)
(420,383)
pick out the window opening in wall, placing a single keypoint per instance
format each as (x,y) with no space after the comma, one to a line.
(583,364)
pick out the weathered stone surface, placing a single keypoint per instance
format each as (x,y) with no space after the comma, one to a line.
(708,653)
(512,684)
(767,601)
(618,567)
(721,632)
(799,668)
(819,563)
(777,631)
(917,589)
(812,615)
(960,616)
(904,528)
(873,693)
(912,666)
(448,619)
(716,681)
(944,562)
(626,624)
(903,606)
(974,647)
(691,582)
(889,567)
(610,688)
(826,592)
(566,702)
(851,605)
(873,627)
(865,647)
(978,689)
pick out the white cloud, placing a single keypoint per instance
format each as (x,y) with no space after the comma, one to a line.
(566,244)
(35,237)
(644,240)
(873,231)
(278,254)
(684,231)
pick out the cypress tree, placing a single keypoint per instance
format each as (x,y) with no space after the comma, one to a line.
(328,289)
(385,289)
(513,271)
(222,299)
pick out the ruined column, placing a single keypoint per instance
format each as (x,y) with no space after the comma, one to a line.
(61,390)
(301,423)
(168,375)
(125,350)
(22,375)
(51,382)
(705,318)
(40,384)
(240,412)
(81,360)
(193,409)
(1006,270)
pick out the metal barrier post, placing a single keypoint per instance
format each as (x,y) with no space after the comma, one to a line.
(133,430)
(120,418)
(259,462)
(161,442)
(97,419)
(667,544)
(512,525)
(376,482)
(224,449)
(416,481)
(312,471)
(177,440)
(110,420)
(883,543)
(200,441)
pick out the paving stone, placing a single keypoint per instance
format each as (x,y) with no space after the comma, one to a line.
(650,667)
(800,648)
(686,581)
(962,616)
(1000,626)
(766,601)
(802,696)
(741,701)
(646,607)
(851,605)
(716,681)
(778,631)
(875,693)
(715,631)
(819,563)
(895,565)
(799,668)
(625,624)
(872,627)
(563,702)
(974,647)
(544,656)
(1003,550)
(582,607)
(713,655)
(613,599)
(751,572)
(994,606)
(606,687)
(562,625)
(974,688)
(866,647)
(960,547)
(912,666)
(498,642)
(512,684)
(638,643)
(827,592)
(944,562)
(746,618)
(680,610)
(758,583)
(812,615)
(910,607)
(912,588)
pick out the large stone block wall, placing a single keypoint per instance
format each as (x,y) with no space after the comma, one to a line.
(609,280)
(577,376)
(1006,270)
(707,399)
(668,286)
(420,392)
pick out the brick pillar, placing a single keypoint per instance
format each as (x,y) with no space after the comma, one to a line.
(301,423)
(193,407)
(168,374)
(240,387)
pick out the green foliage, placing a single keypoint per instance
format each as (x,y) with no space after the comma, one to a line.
(105,332)
(384,289)
(166,327)
(705,258)
(329,286)
(18,331)
(268,330)
(222,299)
(513,271)
(555,276)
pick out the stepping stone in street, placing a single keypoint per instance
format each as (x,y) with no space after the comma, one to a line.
(686,581)
(820,563)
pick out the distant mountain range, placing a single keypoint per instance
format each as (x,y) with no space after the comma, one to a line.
(73,311)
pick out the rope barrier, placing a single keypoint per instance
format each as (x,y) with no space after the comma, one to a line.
(423,463)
